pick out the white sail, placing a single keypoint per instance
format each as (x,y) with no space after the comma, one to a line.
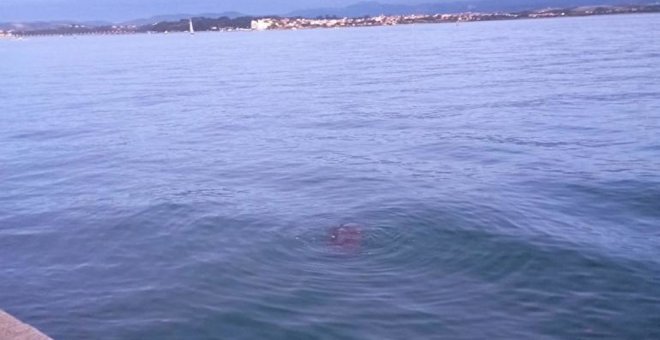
(192,30)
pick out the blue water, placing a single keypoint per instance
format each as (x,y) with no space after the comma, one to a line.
(506,176)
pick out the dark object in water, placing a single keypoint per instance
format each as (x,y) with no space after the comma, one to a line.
(347,236)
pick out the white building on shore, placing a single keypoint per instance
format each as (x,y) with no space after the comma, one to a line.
(261,24)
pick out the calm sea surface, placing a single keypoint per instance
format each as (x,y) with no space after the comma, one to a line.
(506,175)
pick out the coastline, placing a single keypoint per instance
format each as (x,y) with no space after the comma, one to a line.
(303,23)
(299,23)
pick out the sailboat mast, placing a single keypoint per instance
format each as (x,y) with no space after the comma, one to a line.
(192,30)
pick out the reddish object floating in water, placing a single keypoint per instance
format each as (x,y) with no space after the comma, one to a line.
(347,236)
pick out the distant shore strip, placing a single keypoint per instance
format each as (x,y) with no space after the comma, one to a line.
(226,24)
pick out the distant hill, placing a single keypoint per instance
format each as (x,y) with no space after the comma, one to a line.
(58,24)
(177,17)
(48,25)
(372,8)
(368,8)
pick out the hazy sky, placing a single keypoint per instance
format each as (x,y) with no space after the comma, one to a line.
(17,10)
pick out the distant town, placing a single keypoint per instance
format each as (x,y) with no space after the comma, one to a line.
(303,23)
(248,23)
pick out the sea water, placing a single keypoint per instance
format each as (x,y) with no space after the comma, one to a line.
(505,177)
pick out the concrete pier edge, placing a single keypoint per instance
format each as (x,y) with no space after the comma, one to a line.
(13,329)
